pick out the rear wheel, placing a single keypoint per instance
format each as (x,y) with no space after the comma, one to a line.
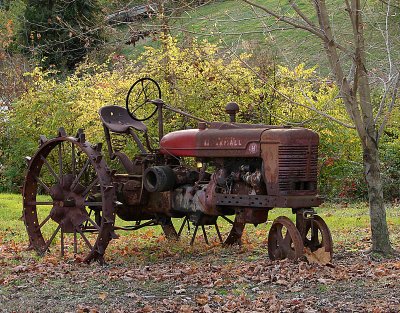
(68,199)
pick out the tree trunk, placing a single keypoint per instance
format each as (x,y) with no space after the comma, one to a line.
(356,95)
(379,229)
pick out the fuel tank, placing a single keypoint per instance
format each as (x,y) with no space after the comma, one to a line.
(218,140)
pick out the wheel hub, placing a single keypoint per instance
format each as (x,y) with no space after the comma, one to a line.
(69,204)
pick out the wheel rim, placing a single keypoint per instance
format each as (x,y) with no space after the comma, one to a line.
(68,194)
(284,240)
(318,236)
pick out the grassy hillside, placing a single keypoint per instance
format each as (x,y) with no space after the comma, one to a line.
(238,27)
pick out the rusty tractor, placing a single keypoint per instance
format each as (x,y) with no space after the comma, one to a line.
(219,171)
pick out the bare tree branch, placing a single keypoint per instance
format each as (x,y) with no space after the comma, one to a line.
(390,107)
(286,19)
(301,14)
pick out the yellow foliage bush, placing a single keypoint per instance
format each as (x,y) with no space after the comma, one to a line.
(198,78)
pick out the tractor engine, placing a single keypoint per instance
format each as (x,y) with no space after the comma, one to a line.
(246,169)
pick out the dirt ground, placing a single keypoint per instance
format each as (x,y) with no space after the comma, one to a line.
(213,280)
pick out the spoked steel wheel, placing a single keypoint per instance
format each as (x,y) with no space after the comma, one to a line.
(68,198)
(220,229)
(284,240)
(317,235)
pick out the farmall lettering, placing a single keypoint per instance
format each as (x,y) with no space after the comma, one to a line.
(243,171)
(223,142)
(228,142)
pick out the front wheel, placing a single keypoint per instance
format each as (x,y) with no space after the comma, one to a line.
(284,240)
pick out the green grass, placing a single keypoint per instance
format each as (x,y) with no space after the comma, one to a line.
(11,225)
(349,225)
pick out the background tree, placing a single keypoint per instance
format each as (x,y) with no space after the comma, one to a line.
(347,56)
(60,32)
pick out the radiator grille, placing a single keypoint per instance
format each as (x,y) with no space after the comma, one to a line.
(298,167)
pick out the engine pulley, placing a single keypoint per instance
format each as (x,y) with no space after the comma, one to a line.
(158,179)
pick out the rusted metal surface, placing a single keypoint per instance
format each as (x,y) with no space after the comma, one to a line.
(68,197)
(314,231)
(284,240)
(290,161)
(263,201)
(214,143)
(243,171)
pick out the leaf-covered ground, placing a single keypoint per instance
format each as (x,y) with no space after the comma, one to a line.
(200,279)
(147,273)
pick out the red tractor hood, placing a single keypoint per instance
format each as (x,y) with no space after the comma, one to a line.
(222,140)
(212,143)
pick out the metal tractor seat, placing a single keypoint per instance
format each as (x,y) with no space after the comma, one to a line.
(117,119)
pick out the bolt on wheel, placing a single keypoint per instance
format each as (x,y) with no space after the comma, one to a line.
(68,199)
(284,240)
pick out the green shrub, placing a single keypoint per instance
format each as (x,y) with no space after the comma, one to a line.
(197,78)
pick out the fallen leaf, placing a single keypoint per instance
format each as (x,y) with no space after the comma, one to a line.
(180,291)
(325,281)
(319,256)
(19,269)
(102,295)
(282,282)
(132,295)
(207,309)
(185,309)
(202,299)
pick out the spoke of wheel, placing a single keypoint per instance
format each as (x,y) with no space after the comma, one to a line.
(50,168)
(218,233)
(85,239)
(51,238)
(285,243)
(86,222)
(182,226)
(42,183)
(62,243)
(279,237)
(76,180)
(73,160)
(314,235)
(194,235)
(204,234)
(287,239)
(60,161)
(40,203)
(140,93)
(94,182)
(144,90)
(94,223)
(89,203)
(75,243)
(44,221)
(227,219)
(138,107)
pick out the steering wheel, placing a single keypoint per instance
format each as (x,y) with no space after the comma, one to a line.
(138,99)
